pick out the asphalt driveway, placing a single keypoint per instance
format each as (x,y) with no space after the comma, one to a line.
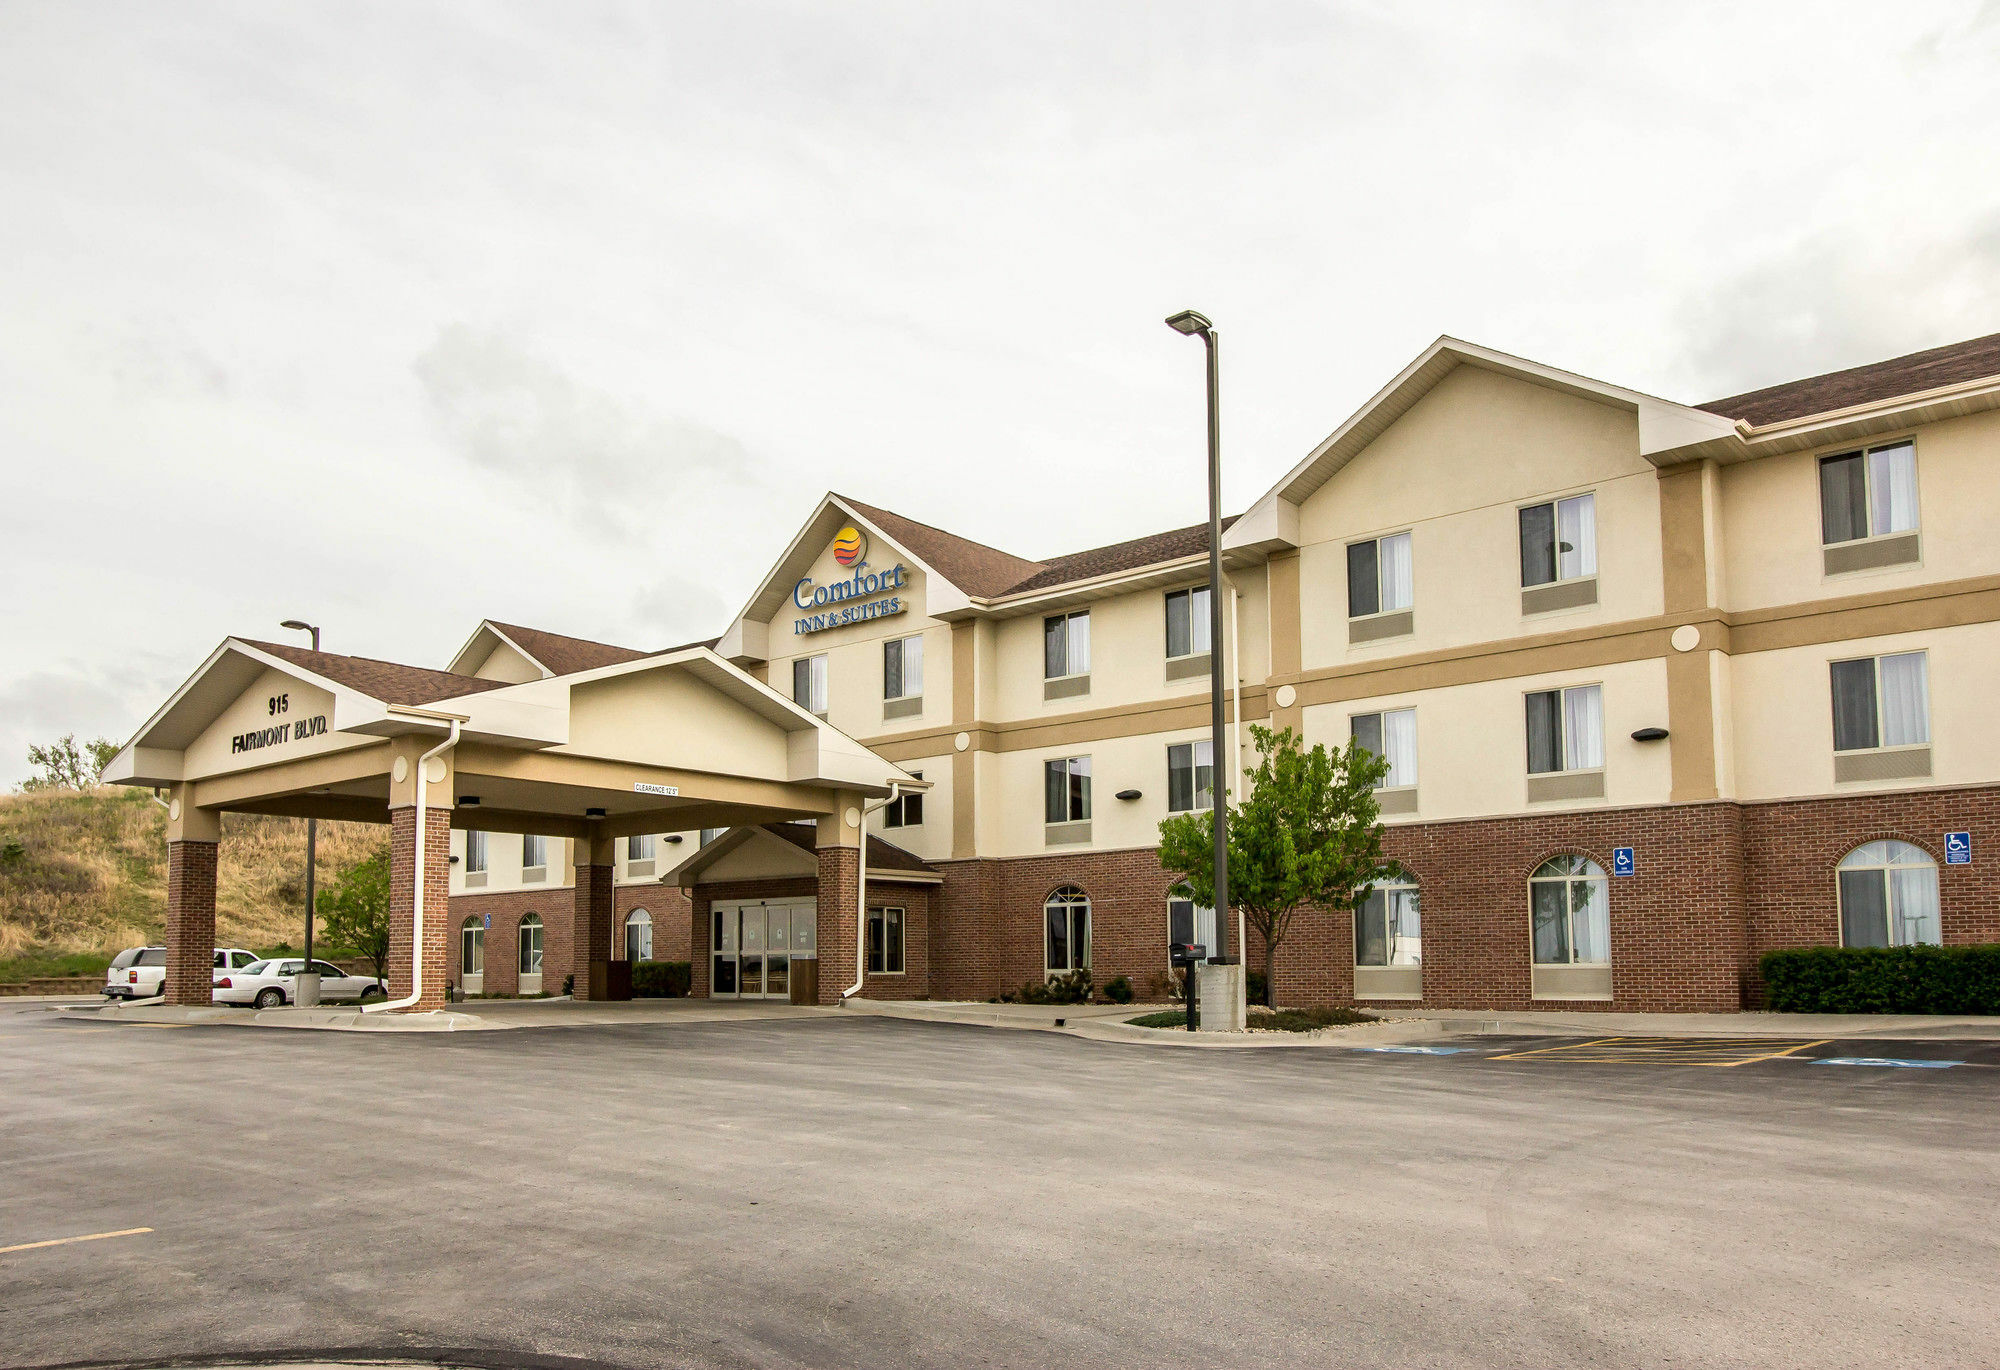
(871,1192)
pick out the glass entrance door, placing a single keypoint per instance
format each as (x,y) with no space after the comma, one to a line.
(754,946)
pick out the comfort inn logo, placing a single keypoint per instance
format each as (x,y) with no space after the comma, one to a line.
(849,546)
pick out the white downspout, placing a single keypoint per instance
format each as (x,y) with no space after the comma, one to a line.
(417,911)
(861,895)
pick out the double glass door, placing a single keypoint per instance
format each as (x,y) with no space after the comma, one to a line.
(755,943)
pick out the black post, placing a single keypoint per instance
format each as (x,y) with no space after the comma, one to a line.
(1217,743)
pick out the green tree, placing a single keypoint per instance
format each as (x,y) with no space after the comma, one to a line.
(355,909)
(1309,833)
(62,765)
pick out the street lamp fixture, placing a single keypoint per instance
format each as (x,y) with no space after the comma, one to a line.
(1191,324)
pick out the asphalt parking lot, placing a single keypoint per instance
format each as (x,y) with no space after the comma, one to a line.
(874,1192)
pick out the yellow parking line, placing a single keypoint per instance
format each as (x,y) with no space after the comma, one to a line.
(1680,1051)
(65,1241)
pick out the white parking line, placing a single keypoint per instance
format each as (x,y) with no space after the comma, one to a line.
(65,1241)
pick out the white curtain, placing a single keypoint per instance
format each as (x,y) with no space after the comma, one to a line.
(1583,728)
(1079,644)
(1590,921)
(1398,584)
(1906,704)
(913,668)
(1399,744)
(1913,906)
(1405,929)
(1892,489)
(1576,537)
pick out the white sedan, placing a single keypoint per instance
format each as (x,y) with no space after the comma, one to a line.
(267,984)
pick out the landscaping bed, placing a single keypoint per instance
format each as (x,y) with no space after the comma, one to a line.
(1265,1020)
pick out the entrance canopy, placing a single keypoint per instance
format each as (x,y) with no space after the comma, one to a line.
(668,742)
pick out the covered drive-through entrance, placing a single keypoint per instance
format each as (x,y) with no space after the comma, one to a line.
(674,741)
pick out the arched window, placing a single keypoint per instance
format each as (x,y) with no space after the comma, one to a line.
(472,946)
(1888,896)
(1067,914)
(1387,926)
(1569,902)
(531,945)
(638,935)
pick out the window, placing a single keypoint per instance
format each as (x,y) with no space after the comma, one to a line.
(708,835)
(1066,645)
(1391,734)
(152,956)
(639,847)
(1068,789)
(885,941)
(905,810)
(1388,929)
(1868,494)
(638,935)
(472,946)
(1888,896)
(1559,540)
(1068,922)
(1190,776)
(531,945)
(1566,729)
(902,668)
(1569,903)
(1189,924)
(1379,579)
(534,852)
(809,683)
(1881,701)
(1188,623)
(475,851)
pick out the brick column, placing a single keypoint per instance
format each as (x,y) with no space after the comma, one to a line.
(190,921)
(590,939)
(839,884)
(437,902)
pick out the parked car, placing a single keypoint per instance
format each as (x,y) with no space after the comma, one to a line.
(141,972)
(267,984)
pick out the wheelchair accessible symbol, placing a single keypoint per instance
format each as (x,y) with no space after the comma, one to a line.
(1621,861)
(1958,849)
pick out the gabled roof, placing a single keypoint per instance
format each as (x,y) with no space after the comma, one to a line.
(885,859)
(1937,367)
(1130,555)
(883,856)
(389,681)
(560,654)
(972,566)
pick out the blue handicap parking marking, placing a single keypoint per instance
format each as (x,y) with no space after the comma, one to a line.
(1958,849)
(1419,1051)
(1622,862)
(1890,1061)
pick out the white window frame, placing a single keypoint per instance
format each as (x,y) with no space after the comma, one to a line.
(1199,624)
(1555,506)
(1076,643)
(1071,898)
(534,844)
(531,922)
(475,851)
(1889,896)
(903,647)
(472,936)
(1380,608)
(638,918)
(1068,789)
(896,813)
(1868,491)
(1596,876)
(1194,749)
(878,916)
(1381,717)
(1562,692)
(815,683)
(1881,705)
(1388,888)
(1196,912)
(639,847)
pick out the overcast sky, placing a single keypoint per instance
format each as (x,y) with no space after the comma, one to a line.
(395,316)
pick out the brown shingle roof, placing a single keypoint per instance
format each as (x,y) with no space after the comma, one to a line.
(565,655)
(389,681)
(1120,556)
(972,566)
(882,856)
(1972,360)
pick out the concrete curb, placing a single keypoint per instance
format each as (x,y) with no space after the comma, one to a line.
(306,1019)
(1389,1031)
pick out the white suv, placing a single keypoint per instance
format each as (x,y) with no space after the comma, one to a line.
(141,972)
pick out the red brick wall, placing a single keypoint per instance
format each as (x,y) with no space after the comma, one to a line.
(590,926)
(839,888)
(190,937)
(440,931)
(556,904)
(916,903)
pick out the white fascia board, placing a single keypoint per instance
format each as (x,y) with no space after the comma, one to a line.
(1666,428)
(827,756)
(1268,525)
(152,766)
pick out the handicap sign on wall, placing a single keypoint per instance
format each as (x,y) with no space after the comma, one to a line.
(1958,849)
(1621,861)
(489,922)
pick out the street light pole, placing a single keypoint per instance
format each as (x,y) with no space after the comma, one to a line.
(1191,324)
(312,847)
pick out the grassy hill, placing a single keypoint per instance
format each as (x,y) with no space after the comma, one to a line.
(89,877)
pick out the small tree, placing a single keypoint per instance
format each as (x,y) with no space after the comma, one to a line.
(1308,832)
(355,909)
(62,765)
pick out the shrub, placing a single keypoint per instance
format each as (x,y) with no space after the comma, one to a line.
(661,979)
(1071,988)
(1305,1019)
(1920,979)
(1119,991)
(1165,1018)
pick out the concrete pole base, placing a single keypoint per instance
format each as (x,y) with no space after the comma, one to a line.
(305,990)
(1221,991)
